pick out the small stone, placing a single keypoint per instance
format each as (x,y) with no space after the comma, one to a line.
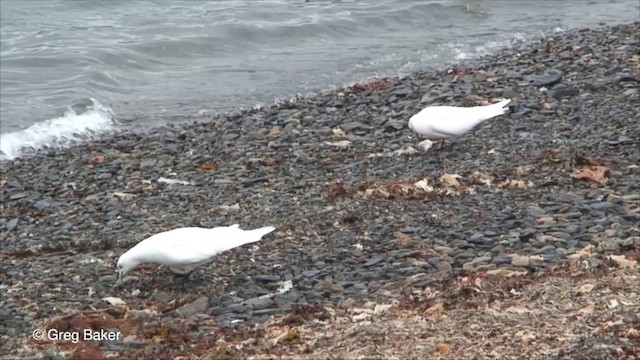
(520,261)
(547,249)
(482,260)
(331,286)
(148,164)
(561,235)
(357,289)
(267,278)
(411,230)
(409,270)
(162,296)
(546,79)
(236,308)
(565,55)
(91,199)
(501,260)
(18,196)
(311,273)
(42,204)
(12,224)
(476,238)
(217,310)
(486,267)
(546,220)
(443,249)
(393,125)
(469,266)
(285,298)
(264,312)
(527,234)
(551,257)
(444,267)
(199,306)
(355,125)
(572,229)
(373,261)
(259,303)
(346,303)
(560,94)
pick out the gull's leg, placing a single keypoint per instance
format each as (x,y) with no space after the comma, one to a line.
(185,272)
(183,277)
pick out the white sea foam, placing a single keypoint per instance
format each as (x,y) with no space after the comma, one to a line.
(72,126)
(467,52)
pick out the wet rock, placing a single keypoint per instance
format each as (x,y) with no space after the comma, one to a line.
(311,273)
(163,296)
(217,310)
(548,79)
(264,312)
(392,126)
(411,230)
(373,261)
(42,204)
(12,224)
(472,265)
(527,234)
(501,260)
(267,278)
(199,306)
(237,308)
(148,164)
(444,267)
(259,303)
(560,94)
(18,196)
(355,125)
(285,298)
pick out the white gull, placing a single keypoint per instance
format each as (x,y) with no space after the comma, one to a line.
(450,122)
(184,249)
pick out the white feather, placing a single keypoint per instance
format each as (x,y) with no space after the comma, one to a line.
(447,122)
(184,249)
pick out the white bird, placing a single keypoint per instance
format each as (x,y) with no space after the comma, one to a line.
(450,122)
(184,249)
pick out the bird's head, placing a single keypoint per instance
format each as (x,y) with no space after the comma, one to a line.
(125,263)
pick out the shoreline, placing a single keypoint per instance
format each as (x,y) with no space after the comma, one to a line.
(336,174)
(284,101)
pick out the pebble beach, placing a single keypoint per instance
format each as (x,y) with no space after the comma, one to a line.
(365,218)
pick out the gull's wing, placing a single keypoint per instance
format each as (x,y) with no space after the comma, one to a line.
(444,121)
(184,246)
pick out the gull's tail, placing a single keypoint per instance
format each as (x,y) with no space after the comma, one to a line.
(236,237)
(251,236)
(487,112)
(259,233)
(499,107)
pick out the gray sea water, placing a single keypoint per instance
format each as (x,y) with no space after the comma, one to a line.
(68,68)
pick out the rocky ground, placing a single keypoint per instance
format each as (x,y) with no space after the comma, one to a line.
(521,239)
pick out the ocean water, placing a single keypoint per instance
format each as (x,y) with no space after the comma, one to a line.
(73,69)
